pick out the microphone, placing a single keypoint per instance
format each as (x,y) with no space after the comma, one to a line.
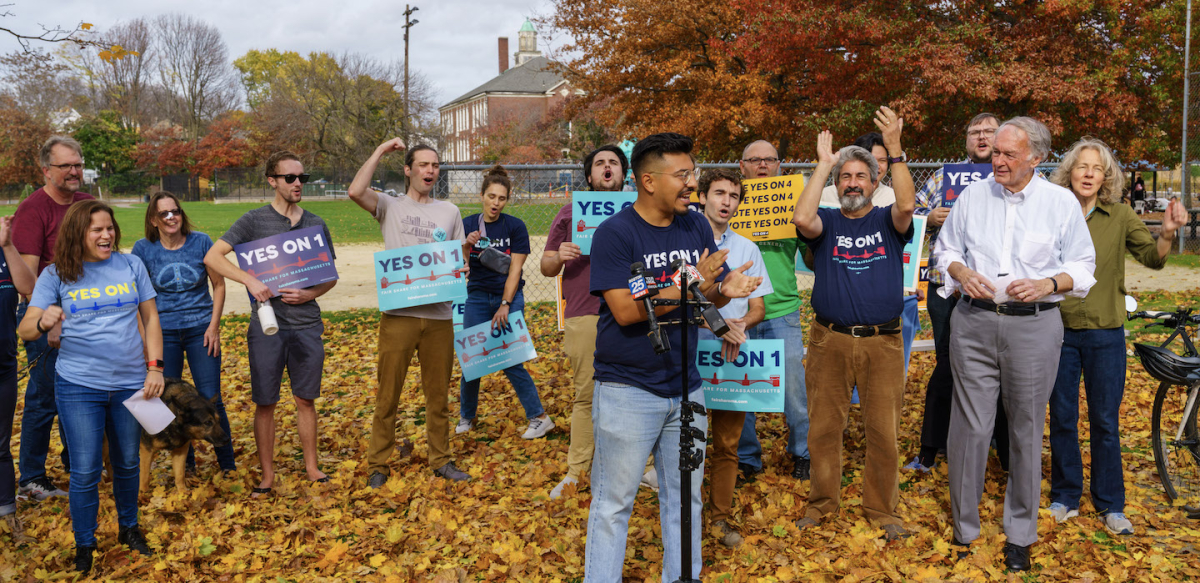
(640,290)
(711,316)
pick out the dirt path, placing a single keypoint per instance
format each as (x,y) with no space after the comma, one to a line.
(356,288)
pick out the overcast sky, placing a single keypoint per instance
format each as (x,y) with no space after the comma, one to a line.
(454,44)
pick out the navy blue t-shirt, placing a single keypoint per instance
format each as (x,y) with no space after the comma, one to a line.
(8,320)
(624,354)
(509,235)
(859,267)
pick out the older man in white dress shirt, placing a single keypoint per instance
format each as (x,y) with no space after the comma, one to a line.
(1014,245)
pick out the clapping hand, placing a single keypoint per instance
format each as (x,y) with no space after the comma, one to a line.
(739,285)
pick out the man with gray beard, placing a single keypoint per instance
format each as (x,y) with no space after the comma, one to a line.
(857,298)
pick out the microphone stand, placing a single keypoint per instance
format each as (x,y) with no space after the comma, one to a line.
(689,458)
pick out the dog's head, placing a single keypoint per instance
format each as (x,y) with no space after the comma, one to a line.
(197,415)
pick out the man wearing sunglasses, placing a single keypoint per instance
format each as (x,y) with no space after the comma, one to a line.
(298,347)
(35,230)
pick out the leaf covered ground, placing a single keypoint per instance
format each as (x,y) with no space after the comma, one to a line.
(501,526)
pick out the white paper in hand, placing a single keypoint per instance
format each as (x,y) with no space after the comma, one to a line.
(1002,284)
(153,414)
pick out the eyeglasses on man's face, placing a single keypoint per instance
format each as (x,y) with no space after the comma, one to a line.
(989,132)
(290,178)
(759,161)
(75,167)
(683,175)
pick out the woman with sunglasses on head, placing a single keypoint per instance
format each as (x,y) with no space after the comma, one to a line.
(100,296)
(492,294)
(190,316)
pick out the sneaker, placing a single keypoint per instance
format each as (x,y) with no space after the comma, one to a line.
(802,468)
(17,530)
(915,466)
(377,480)
(728,537)
(1061,513)
(83,558)
(538,427)
(464,425)
(650,480)
(450,472)
(557,492)
(133,538)
(40,489)
(1116,523)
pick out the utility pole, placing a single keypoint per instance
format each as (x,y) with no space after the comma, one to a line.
(407,104)
(1185,170)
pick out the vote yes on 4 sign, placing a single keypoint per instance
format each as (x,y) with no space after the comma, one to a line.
(765,212)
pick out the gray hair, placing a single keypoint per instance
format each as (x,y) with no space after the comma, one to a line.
(1037,133)
(747,148)
(44,154)
(855,153)
(1114,178)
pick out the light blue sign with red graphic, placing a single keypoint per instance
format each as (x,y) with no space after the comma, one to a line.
(483,349)
(295,259)
(912,254)
(457,309)
(419,275)
(957,177)
(589,209)
(754,382)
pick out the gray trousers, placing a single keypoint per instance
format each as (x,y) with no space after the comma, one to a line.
(1015,358)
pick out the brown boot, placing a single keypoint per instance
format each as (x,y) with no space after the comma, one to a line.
(17,530)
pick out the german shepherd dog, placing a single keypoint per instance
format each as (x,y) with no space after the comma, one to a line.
(195,418)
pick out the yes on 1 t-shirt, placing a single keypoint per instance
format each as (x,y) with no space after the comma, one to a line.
(624,354)
(180,280)
(507,235)
(101,347)
(859,267)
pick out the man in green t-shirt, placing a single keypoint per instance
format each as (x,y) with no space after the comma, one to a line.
(781,322)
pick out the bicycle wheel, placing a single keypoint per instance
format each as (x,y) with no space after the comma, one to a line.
(1178,460)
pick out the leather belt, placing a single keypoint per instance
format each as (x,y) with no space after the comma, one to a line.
(1012,309)
(892,327)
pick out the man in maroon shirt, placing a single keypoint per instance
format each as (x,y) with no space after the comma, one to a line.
(604,169)
(35,229)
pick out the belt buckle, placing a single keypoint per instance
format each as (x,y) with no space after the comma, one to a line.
(855,329)
(1003,309)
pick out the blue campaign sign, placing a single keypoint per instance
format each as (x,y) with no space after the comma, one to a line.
(457,309)
(295,259)
(419,275)
(912,254)
(482,349)
(753,383)
(957,177)
(589,209)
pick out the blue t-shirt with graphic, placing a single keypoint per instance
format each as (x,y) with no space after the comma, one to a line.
(859,267)
(8,320)
(624,354)
(180,280)
(101,347)
(509,235)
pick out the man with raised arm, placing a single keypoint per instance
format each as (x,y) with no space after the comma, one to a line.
(415,218)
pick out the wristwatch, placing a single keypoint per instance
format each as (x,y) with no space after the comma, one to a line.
(901,159)
(155,364)
(505,303)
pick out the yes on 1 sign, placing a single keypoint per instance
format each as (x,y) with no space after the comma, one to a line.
(483,349)
(589,209)
(419,275)
(295,259)
(457,309)
(753,383)
(912,254)
(957,177)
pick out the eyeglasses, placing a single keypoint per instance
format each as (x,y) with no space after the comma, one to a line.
(683,175)
(290,178)
(67,166)
(977,133)
(757,161)
(164,215)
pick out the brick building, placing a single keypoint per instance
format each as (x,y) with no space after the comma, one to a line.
(529,90)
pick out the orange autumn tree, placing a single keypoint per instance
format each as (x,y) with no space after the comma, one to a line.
(730,72)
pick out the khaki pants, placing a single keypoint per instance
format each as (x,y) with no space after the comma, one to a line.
(726,431)
(836,363)
(433,343)
(579,343)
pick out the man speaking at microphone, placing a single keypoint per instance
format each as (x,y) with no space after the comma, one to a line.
(636,402)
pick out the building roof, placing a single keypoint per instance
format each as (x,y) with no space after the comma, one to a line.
(527,27)
(536,76)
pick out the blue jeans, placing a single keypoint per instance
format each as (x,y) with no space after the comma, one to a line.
(206,375)
(1100,356)
(480,308)
(795,398)
(37,420)
(629,425)
(88,416)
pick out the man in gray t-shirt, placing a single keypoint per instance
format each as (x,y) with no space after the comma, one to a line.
(415,218)
(298,347)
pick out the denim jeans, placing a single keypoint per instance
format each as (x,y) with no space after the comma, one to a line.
(629,425)
(206,375)
(795,399)
(8,409)
(480,308)
(88,416)
(37,419)
(1100,356)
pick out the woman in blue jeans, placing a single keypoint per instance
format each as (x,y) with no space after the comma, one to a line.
(492,295)
(15,278)
(191,318)
(99,295)
(1094,336)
